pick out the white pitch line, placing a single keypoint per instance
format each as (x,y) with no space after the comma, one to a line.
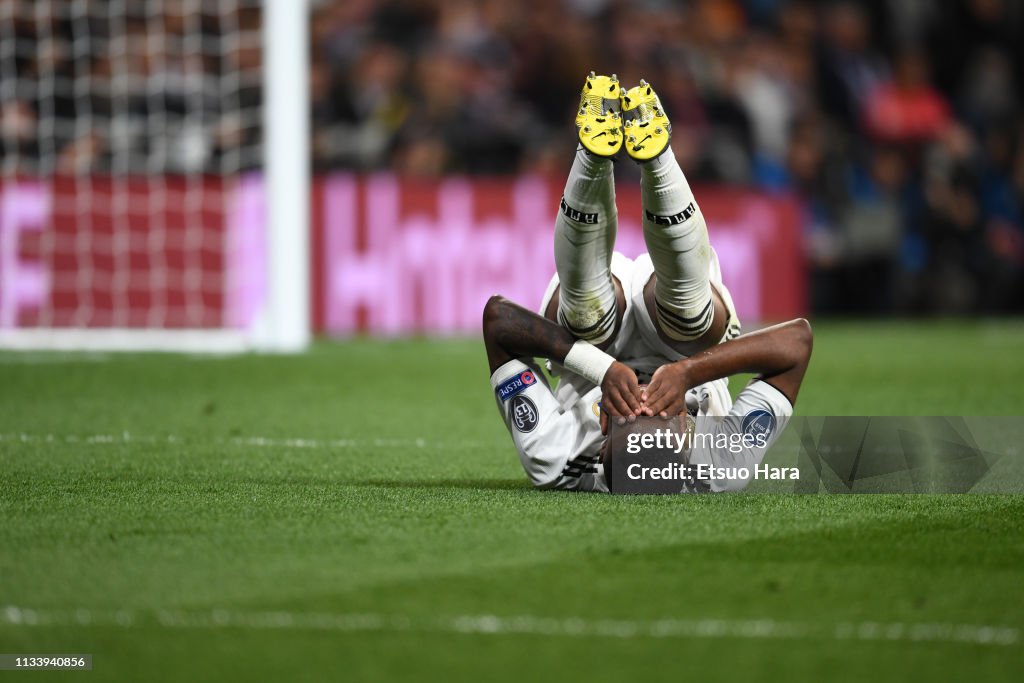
(488,624)
(245,441)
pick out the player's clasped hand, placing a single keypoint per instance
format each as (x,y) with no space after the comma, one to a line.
(666,394)
(625,399)
(621,392)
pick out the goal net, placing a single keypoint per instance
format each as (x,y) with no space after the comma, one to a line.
(134,185)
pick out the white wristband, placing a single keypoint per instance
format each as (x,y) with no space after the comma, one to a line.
(588,361)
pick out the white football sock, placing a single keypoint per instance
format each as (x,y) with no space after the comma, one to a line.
(584,240)
(677,240)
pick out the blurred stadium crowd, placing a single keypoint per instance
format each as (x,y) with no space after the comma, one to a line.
(897,123)
(147,86)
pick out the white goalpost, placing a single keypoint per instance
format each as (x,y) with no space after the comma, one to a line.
(286,122)
(154,175)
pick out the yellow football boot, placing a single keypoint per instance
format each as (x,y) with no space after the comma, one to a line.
(599,118)
(646,125)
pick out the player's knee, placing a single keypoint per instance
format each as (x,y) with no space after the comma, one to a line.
(594,324)
(685,323)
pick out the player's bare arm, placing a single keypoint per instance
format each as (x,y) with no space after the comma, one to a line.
(511,331)
(779,354)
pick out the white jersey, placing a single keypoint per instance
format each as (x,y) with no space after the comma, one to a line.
(558,433)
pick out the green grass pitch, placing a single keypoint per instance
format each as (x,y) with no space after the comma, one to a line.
(358,513)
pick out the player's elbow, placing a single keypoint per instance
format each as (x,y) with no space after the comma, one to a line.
(492,314)
(801,340)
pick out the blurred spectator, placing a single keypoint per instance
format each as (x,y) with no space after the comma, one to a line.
(851,68)
(18,133)
(906,109)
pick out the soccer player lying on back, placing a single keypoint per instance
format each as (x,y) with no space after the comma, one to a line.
(657,336)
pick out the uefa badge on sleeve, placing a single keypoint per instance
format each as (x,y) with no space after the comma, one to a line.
(759,424)
(515,385)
